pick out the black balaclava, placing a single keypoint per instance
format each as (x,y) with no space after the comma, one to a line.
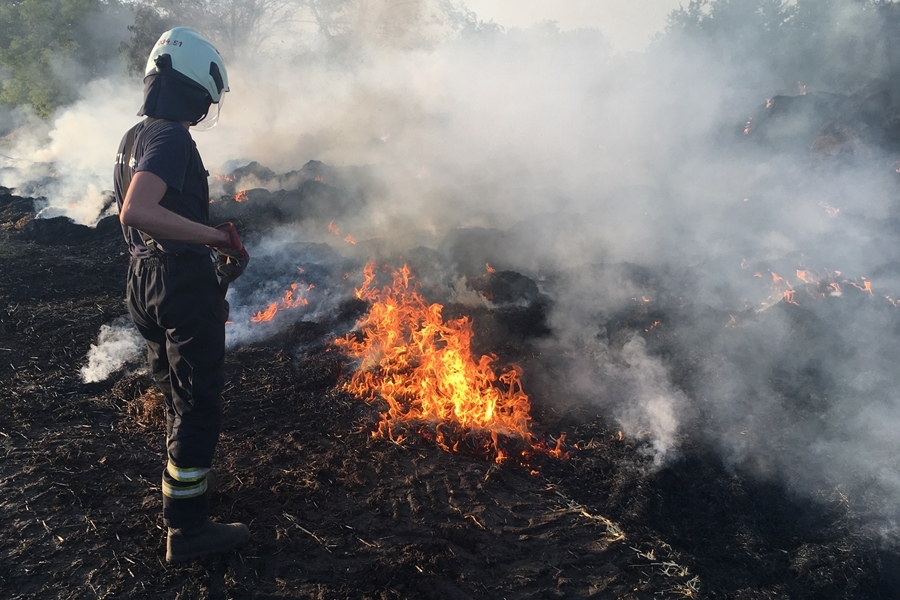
(170,95)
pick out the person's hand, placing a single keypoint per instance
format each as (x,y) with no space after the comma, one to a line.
(232,257)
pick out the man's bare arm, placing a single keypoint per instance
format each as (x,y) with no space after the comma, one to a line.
(141,210)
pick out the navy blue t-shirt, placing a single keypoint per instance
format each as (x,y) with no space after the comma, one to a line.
(166,149)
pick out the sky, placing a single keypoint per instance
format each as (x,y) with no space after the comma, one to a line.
(628,24)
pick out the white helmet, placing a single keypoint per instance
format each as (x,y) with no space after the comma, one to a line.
(192,56)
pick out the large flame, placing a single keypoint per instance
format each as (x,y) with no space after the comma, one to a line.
(423,368)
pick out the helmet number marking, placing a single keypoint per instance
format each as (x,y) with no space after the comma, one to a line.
(166,42)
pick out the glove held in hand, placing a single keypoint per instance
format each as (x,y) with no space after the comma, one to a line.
(231,260)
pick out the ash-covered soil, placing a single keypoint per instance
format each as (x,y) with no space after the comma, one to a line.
(337,514)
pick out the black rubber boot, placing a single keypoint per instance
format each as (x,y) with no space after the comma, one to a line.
(210,538)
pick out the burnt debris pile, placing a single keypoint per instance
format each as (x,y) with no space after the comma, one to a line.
(682,424)
(258,199)
(830,124)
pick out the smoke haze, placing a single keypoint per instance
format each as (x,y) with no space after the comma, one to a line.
(587,164)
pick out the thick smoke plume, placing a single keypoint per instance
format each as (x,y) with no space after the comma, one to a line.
(614,181)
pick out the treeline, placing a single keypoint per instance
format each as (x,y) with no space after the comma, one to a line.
(835,45)
(50,48)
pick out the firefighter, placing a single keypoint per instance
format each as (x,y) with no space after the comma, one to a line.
(174,292)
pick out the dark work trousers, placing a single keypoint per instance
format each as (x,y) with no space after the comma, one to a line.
(177,306)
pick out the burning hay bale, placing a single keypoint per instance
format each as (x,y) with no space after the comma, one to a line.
(394,515)
(423,368)
(828,124)
(261,200)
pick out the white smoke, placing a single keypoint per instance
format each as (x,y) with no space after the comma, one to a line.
(654,402)
(69,159)
(118,344)
(584,161)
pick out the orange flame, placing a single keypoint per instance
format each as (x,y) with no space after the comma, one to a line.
(815,286)
(265,315)
(241,196)
(334,229)
(489,268)
(789,297)
(865,286)
(293,298)
(290,302)
(780,290)
(423,368)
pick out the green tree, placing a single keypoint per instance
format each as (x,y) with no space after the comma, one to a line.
(148,25)
(831,44)
(40,42)
(235,25)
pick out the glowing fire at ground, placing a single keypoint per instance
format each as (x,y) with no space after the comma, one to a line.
(294,297)
(815,286)
(241,196)
(336,231)
(423,368)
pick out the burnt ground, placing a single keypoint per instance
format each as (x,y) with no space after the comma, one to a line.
(337,514)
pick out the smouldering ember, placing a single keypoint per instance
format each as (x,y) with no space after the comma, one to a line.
(652,326)
(423,368)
